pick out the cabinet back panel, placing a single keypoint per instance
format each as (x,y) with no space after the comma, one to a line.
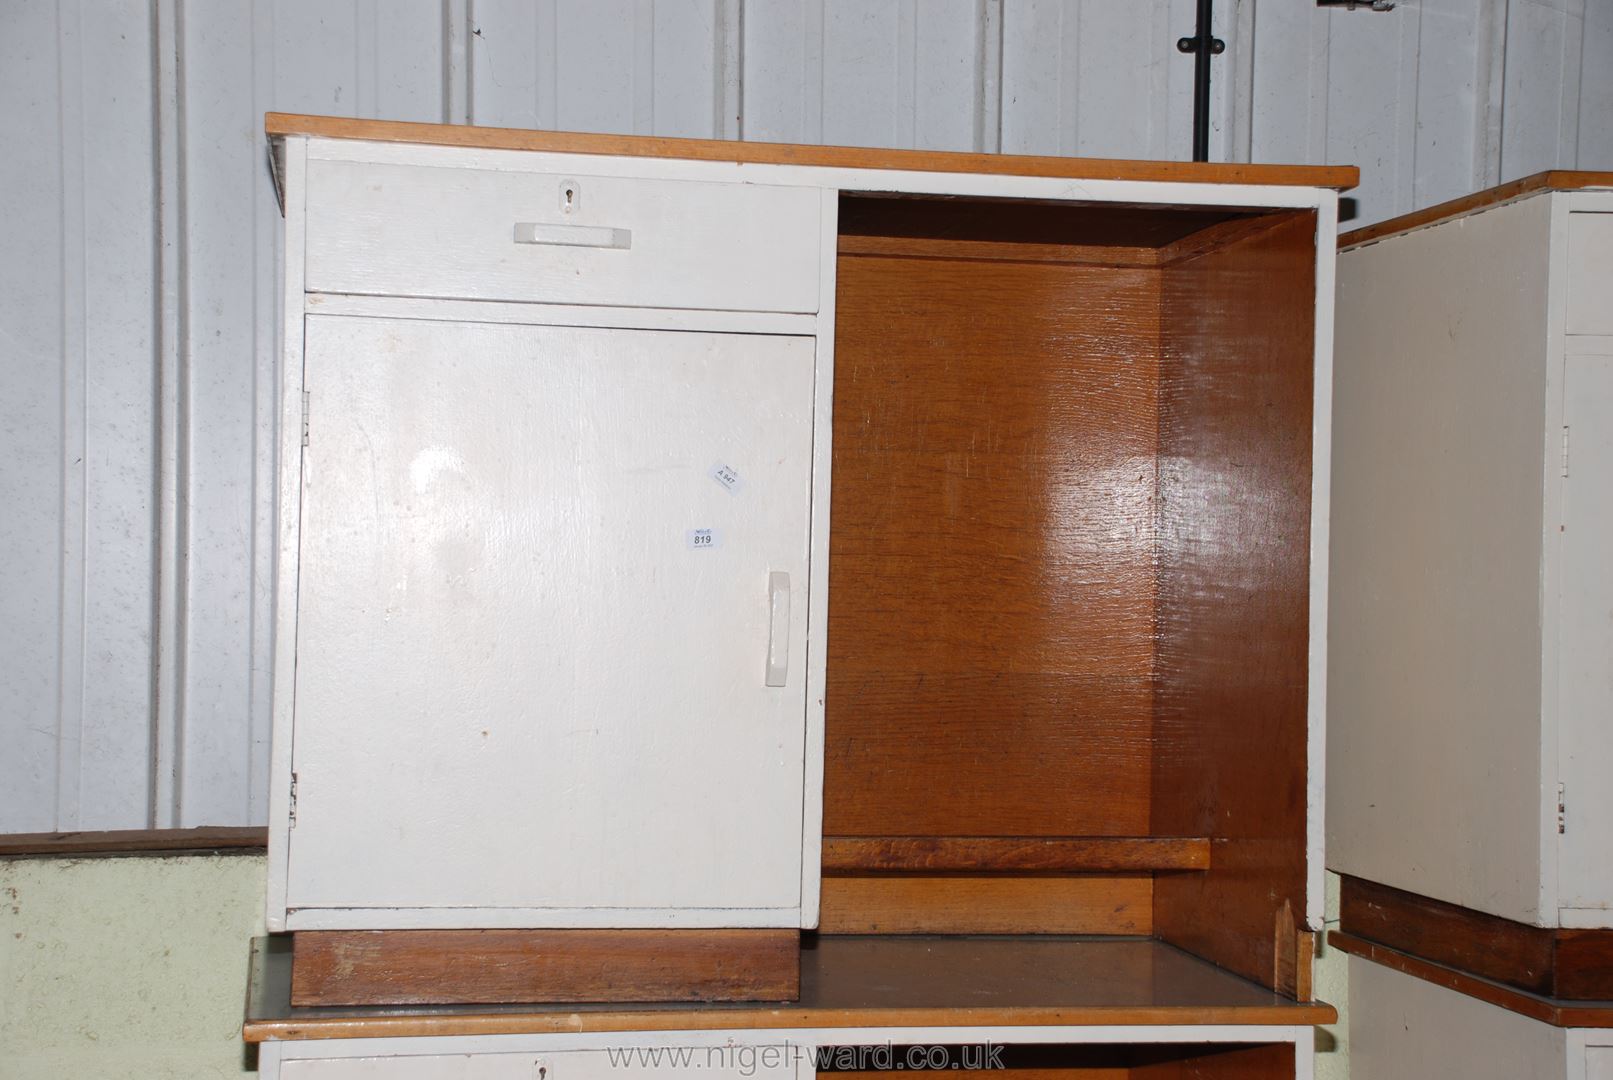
(992,570)
(1230,726)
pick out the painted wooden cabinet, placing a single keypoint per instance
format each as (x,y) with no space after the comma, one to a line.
(1471,629)
(554,477)
(575,636)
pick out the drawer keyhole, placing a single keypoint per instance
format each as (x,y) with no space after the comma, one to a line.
(570,196)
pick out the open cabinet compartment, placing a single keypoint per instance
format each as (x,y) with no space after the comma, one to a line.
(1070,575)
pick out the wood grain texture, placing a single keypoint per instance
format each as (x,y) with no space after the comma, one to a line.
(447,967)
(991,569)
(246,840)
(1230,723)
(1027,223)
(1583,965)
(852,982)
(280,125)
(1569,964)
(1012,854)
(1551,180)
(1473,941)
(995,904)
(1270,1061)
(1555,1011)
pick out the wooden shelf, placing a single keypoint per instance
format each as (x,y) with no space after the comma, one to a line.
(852,982)
(1012,854)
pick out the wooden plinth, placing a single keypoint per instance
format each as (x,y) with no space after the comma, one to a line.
(1574,965)
(462,967)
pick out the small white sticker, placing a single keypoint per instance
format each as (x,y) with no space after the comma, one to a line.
(728,478)
(703,539)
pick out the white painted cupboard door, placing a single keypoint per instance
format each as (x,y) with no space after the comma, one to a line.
(1585,638)
(542,589)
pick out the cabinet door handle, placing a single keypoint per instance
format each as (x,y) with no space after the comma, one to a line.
(778,628)
(594,236)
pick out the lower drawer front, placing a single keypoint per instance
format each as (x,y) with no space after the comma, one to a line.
(629,1063)
(482,234)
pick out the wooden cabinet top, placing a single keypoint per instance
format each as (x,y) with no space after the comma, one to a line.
(1551,180)
(282,125)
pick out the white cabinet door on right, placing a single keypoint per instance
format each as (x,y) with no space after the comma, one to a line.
(551,624)
(1599,1063)
(1585,640)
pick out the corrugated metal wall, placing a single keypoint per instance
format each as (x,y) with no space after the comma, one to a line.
(137,277)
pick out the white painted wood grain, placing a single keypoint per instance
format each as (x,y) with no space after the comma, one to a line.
(723,1063)
(1435,759)
(1402,1028)
(1590,273)
(500,620)
(1585,635)
(800,1043)
(1598,1063)
(408,231)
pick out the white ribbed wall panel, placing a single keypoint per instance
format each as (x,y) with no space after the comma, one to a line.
(137,304)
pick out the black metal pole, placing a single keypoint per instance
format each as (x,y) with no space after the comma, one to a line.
(1203,45)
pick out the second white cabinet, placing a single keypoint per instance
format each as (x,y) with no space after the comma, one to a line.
(1471,620)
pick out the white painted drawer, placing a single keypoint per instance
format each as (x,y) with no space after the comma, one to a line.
(1590,273)
(628,1063)
(480,234)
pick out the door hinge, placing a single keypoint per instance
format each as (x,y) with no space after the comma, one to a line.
(293,814)
(1562,810)
(305,422)
(1565,450)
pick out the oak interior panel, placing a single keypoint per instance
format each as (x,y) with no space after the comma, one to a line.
(1069,570)
(1013,854)
(987,904)
(1232,675)
(991,562)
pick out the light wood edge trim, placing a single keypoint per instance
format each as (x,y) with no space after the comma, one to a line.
(859,856)
(1338,177)
(1546,1010)
(133,842)
(1551,180)
(255,1031)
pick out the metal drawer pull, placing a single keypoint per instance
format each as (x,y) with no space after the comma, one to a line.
(594,236)
(778,628)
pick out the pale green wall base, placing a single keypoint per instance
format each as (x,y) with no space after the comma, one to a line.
(126,967)
(136,967)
